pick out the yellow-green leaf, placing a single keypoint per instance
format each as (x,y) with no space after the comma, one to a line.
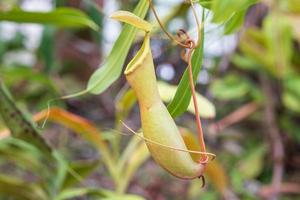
(112,68)
(206,108)
(252,164)
(132,19)
(19,189)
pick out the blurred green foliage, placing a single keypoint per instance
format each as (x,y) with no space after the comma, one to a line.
(267,48)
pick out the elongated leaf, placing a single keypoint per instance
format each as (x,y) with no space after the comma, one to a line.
(291,127)
(235,22)
(252,164)
(291,94)
(63,17)
(110,195)
(166,92)
(97,192)
(207,109)
(138,157)
(79,192)
(132,19)
(79,125)
(12,75)
(124,197)
(82,168)
(112,68)
(22,154)
(292,6)
(124,104)
(231,13)
(231,87)
(128,151)
(206,3)
(47,48)
(271,51)
(20,190)
(84,128)
(182,97)
(224,9)
(21,127)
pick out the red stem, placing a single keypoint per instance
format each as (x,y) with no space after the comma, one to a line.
(197,116)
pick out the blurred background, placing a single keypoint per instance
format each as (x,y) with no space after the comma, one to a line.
(250,78)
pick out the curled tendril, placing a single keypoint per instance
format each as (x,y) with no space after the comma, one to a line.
(188,42)
(170,36)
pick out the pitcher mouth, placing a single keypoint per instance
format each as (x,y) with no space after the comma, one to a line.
(140,57)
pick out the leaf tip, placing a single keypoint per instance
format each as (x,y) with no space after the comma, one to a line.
(132,19)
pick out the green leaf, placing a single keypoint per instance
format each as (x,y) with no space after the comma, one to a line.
(13,75)
(244,62)
(112,68)
(26,158)
(78,192)
(291,94)
(270,47)
(231,13)
(166,92)
(206,3)
(207,109)
(251,165)
(101,193)
(20,126)
(253,45)
(63,17)
(22,154)
(278,34)
(237,180)
(290,125)
(224,9)
(235,22)
(20,190)
(57,178)
(230,87)
(292,6)
(137,158)
(124,104)
(132,19)
(291,101)
(124,197)
(183,94)
(47,48)
(115,196)
(94,12)
(82,168)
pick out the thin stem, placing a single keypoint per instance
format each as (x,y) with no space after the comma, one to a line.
(197,116)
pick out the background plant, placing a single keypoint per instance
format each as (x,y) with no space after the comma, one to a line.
(253,87)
